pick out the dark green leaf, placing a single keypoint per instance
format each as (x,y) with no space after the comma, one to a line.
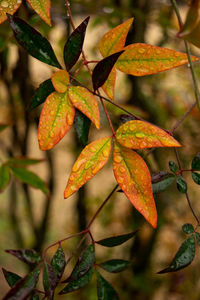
(3,126)
(22,161)
(84,263)
(49,280)
(181,184)
(105,290)
(74,44)
(32,41)
(58,263)
(82,127)
(103,69)
(35,296)
(24,287)
(164,182)
(30,178)
(173,166)
(198,238)
(44,90)
(116,240)
(4,177)
(78,283)
(29,256)
(11,277)
(183,257)
(196,177)
(115,265)
(196,162)
(188,228)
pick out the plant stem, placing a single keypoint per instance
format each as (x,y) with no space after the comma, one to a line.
(196,90)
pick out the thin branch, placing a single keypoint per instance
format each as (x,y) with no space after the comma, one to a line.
(196,89)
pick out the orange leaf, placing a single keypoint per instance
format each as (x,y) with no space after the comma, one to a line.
(9,7)
(133,176)
(91,160)
(144,59)
(86,103)
(139,135)
(60,81)
(109,85)
(42,8)
(55,120)
(114,40)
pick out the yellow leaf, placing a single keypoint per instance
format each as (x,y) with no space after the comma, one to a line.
(42,8)
(86,102)
(55,120)
(114,40)
(138,134)
(60,80)
(9,7)
(144,59)
(133,176)
(91,160)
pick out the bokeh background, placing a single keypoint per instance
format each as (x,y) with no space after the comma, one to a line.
(29,220)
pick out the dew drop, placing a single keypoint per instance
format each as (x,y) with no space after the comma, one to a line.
(51,134)
(139,135)
(77,165)
(51,112)
(92,149)
(120,179)
(141,50)
(106,152)
(122,169)
(117,159)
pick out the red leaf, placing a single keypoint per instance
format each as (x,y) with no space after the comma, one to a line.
(139,135)
(55,120)
(133,176)
(91,160)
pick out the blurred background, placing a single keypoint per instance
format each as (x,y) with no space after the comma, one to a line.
(29,220)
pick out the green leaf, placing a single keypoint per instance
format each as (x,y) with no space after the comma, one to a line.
(78,283)
(24,287)
(82,127)
(188,228)
(49,280)
(103,69)
(30,178)
(44,90)
(196,177)
(74,44)
(183,257)
(58,263)
(84,263)
(173,166)
(114,265)
(3,126)
(163,183)
(105,290)
(116,240)
(32,41)
(181,184)
(196,162)
(4,177)
(22,161)
(198,238)
(11,277)
(29,256)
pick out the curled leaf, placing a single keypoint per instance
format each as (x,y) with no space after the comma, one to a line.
(114,40)
(60,80)
(133,176)
(138,134)
(144,59)
(86,102)
(116,240)
(91,160)
(56,119)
